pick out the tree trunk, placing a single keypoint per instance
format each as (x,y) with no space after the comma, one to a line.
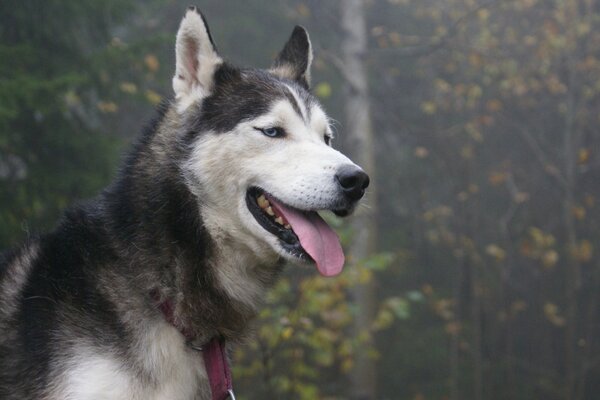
(573,271)
(476,334)
(359,135)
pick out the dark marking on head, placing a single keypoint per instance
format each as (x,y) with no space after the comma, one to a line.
(292,99)
(244,94)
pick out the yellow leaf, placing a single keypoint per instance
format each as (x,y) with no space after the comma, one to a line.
(583,28)
(428,107)
(475,60)
(521,197)
(518,306)
(496,178)
(552,314)
(151,62)
(107,106)
(467,152)
(549,258)
(128,87)
(474,132)
(444,308)
(427,289)
(377,30)
(578,212)
(527,249)
(347,364)
(72,99)
(495,251)
(323,90)
(494,105)
(421,152)
(365,275)
(540,238)
(555,85)
(303,10)
(453,328)
(483,14)
(584,251)
(442,86)
(530,40)
(152,97)
(475,92)
(287,333)
(583,156)
(383,320)
(395,38)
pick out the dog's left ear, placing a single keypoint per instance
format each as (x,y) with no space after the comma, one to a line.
(196,58)
(295,59)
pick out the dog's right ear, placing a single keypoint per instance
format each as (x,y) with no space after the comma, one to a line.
(196,59)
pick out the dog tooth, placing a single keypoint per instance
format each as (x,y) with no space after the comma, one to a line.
(270,211)
(279,220)
(287,226)
(262,201)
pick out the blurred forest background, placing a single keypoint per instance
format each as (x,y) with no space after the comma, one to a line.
(474,269)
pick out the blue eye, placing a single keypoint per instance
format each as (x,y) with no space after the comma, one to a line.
(273,132)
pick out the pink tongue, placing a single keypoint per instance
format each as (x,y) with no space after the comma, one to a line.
(316,237)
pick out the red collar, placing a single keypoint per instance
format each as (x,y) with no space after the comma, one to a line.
(213,352)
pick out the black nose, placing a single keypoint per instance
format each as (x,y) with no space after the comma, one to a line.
(353,181)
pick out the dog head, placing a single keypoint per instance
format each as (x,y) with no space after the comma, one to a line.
(260,157)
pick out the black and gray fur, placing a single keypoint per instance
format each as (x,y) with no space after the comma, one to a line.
(75,303)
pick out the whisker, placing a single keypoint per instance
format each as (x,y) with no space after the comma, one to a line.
(365,205)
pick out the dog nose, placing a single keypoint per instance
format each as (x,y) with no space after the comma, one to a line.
(353,181)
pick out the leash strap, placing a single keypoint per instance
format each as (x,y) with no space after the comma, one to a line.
(215,358)
(217,368)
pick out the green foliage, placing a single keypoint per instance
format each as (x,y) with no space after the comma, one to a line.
(303,347)
(51,150)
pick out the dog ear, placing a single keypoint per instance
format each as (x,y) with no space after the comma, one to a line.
(196,58)
(294,60)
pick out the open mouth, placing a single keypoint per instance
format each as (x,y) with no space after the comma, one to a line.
(301,233)
(273,222)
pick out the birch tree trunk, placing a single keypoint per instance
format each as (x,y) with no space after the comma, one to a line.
(359,137)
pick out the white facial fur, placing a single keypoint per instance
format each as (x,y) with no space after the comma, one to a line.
(298,169)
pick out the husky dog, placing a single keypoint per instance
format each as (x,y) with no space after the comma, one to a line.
(216,195)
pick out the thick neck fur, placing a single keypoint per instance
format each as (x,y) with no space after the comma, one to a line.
(215,283)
